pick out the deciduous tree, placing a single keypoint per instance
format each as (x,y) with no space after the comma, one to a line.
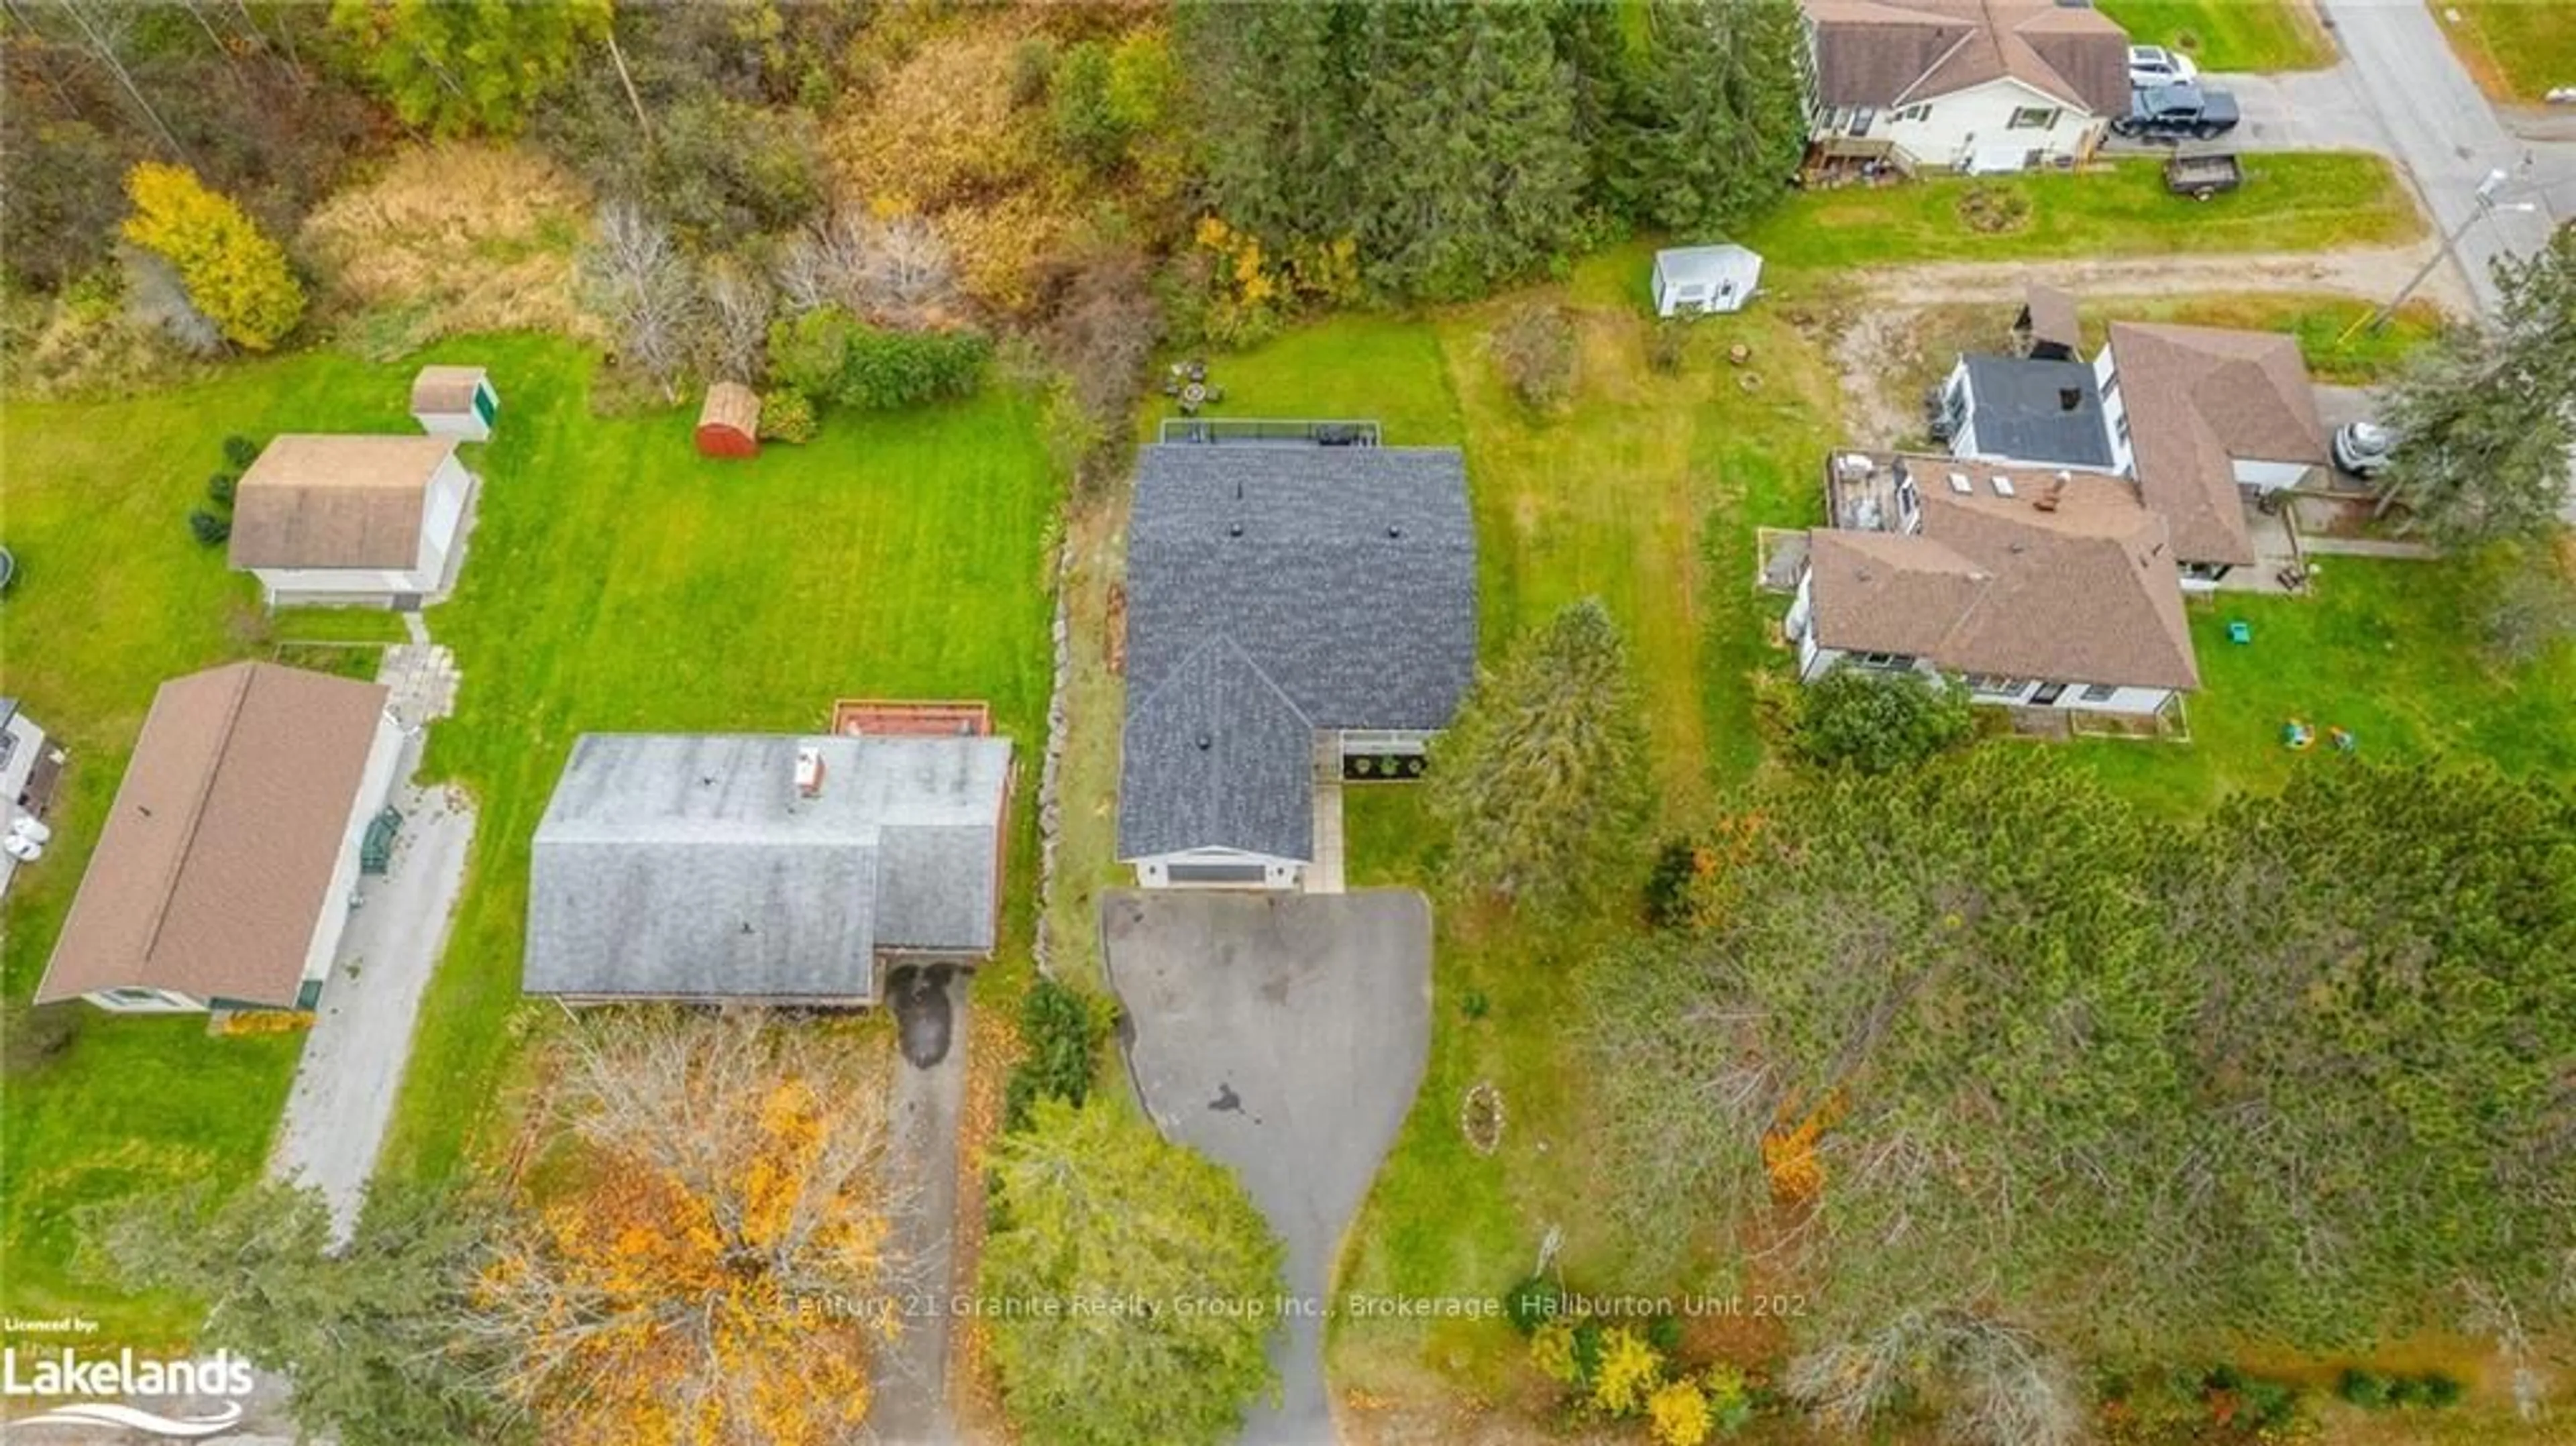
(1133,1281)
(723,1272)
(1542,779)
(634,278)
(463,66)
(1876,722)
(235,275)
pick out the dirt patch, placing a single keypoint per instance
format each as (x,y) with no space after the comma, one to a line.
(974,1390)
(2372,272)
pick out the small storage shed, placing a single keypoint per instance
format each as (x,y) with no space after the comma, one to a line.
(1693,279)
(729,424)
(452,401)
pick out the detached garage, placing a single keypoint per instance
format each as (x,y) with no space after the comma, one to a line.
(1695,279)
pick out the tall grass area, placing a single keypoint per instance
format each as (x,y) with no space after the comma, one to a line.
(2312,202)
(2516,49)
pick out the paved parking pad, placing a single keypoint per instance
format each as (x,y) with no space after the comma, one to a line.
(1284,1036)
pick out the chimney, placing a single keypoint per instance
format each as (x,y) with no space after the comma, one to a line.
(809,771)
(2046,501)
(2069,398)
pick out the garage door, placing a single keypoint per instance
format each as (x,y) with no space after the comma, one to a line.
(1251,874)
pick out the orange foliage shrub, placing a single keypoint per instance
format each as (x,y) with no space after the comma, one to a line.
(1789,1153)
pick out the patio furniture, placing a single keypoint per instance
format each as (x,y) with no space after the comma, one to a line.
(2298,737)
(2240,631)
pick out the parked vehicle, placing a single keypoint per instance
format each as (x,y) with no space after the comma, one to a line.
(2362,448)
(2177,112)
(2203,174)
(2153,65)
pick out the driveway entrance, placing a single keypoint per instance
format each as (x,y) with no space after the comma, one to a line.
(1284,1036)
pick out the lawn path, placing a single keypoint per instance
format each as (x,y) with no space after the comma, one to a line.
(2375,272)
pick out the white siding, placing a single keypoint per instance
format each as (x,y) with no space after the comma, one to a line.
(443,506)
(2269,476)
(2106,378)
(1938,132)
(375,784)
(1154,872)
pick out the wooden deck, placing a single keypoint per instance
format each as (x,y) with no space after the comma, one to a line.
(891,718)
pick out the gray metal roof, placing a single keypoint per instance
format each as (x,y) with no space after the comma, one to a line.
(2021,412)
(1344,577)
(1723,262)
(689,864)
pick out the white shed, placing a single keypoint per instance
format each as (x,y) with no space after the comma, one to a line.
(454,401)
(1692,279)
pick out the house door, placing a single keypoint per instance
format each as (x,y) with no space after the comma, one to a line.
(2047,695)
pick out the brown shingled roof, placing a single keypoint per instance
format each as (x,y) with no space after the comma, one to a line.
(2200,398)
(1888,53)
(445,389)
(336,501)
(2085,593)
(212,870)
(2052,316)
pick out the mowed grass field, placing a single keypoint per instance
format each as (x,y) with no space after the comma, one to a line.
(614,581)
(2230,34)
(2310,202)
(2515,49)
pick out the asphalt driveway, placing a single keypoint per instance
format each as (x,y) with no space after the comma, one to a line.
(1284,1036)
(361,1037)
(929,1095)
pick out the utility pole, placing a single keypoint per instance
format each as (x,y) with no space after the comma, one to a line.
(2486,206)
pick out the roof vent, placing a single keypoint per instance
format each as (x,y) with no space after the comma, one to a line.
(1393,531)
(1234,529)
(2069,398)
(2047,500)
(1206,742)
(809,771)
(2003,485)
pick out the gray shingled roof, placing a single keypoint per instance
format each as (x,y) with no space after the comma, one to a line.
(1342,578)
(689,865)
(2021,412)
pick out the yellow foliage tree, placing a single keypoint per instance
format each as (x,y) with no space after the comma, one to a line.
(1552,1351)
(1630,1370)
(1678,1415)
(232,271)
(720,1275)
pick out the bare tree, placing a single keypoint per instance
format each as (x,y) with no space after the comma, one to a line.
(823,265)
(739,303)
(909,274)
(633,277)
(1996,1384)
(155,297)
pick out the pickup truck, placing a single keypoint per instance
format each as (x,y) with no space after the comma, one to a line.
(2176,112)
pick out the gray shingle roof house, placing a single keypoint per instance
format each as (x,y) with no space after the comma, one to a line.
(2027,409)
(1275,593)
(762,867)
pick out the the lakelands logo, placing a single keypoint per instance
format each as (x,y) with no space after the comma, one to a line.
(52,1377)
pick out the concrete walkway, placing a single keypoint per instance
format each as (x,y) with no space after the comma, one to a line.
(1284,1035)
(2317,545)
(353,1061)
(929,1006)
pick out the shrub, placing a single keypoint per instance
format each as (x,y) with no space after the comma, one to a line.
(1535,349)
(1475,1005)
(1629,1371)
(1532,1304)
(1730,1397)
(1878,722)
(1032,67)
(2366,1389)
(1678,1413)
(831,354)
(1062,1031)
(219,488)
(1554,1351)
(1667,345)
(240,452)
(231,270)
(1992,209)
(2435,1388)
(786,415)
(1086,125)
(209,528)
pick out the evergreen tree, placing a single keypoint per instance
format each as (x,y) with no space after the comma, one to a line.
(1136,1277)
(1270,99)
(2484,418)
(1543,777)
(1720,123)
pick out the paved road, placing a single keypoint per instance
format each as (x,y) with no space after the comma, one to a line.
(929,1006)
(354,1057)
(1284,1036)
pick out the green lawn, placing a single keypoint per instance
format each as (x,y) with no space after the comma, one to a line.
(2385,649)
(2312,202)
(2332,338)
(2229,34)
(614,581)
(2517,49)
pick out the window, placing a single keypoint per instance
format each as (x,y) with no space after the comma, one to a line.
(2110,388)
(2120,427)
(2032,118)
(1861,119)
(1890,661)
(137,996)
(1995,683)
(2099,693)
(1914,113)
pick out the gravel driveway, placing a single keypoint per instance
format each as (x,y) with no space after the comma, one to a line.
(1284,1036)
(361,1038)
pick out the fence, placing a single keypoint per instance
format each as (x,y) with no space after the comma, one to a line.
(1259,431)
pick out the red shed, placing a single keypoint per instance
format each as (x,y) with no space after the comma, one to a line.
(729,424)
